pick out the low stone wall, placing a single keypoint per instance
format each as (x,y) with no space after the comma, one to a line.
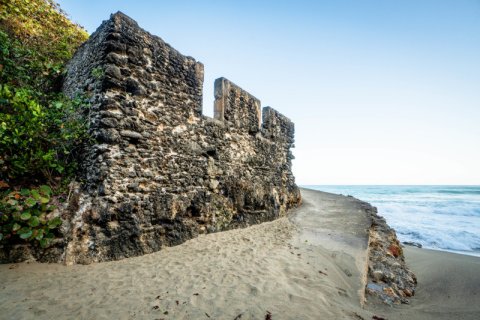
(160,172)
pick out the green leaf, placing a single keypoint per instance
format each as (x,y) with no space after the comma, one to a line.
(43,218)
(55,222)
(1,236)
(35,194)
(39,235)
(12,202)
(16,227)
(49,235)
(44,242)
(26,235)
(25,192)
(34,221)
(25,216)
(45,190)
(30,202)
(44,200)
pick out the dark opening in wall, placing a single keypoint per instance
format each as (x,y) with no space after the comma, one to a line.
(211,153)
(193,211)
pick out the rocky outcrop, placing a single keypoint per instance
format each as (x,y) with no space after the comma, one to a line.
(160,172)
(389,278)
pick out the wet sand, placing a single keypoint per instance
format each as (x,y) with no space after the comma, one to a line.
(448,287)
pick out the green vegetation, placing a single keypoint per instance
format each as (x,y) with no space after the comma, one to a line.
(24,215)
(40,128)
(97,73)
(37,141)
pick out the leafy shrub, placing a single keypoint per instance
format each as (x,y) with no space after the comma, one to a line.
(42,26)
(24,216)
(36,41)
(37,141)
(40,128)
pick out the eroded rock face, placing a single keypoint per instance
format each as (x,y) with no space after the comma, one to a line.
(160,172)
(389,278)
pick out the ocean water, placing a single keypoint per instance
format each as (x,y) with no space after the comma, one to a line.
(438,217)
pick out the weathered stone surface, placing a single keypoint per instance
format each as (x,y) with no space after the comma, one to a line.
(236,106)
(389,278)
(160,172)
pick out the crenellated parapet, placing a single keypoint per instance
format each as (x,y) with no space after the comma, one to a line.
(276,126)
(159,172)
(236,106)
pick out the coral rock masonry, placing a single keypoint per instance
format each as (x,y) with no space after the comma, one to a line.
(160,172)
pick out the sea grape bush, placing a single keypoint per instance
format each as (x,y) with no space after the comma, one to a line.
(25,216)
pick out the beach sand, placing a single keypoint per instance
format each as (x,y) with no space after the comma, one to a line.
(448,287)
(310,265)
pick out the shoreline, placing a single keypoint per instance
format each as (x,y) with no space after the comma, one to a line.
(305,266)
(462,253)
(448,286)
(437,217)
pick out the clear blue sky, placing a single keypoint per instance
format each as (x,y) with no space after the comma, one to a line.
(381,92)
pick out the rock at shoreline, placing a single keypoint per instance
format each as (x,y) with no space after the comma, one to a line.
(412,244)
(389,278)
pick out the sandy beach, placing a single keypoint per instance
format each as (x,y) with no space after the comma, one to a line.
(309,265)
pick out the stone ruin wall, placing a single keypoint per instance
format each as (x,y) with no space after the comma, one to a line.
(160,172)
